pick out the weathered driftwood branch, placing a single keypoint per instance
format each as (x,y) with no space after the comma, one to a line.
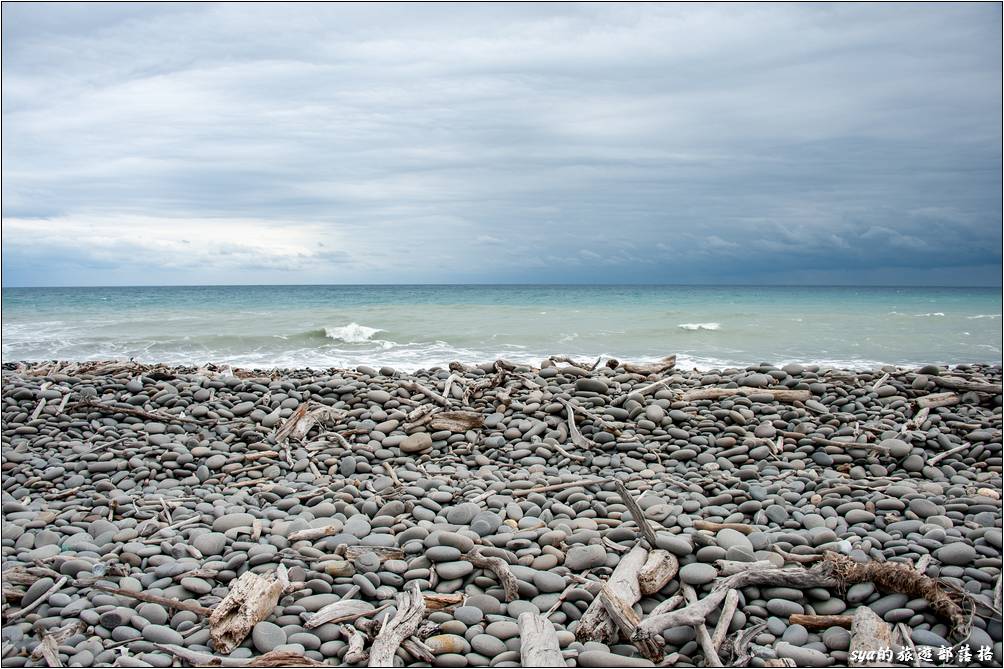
(356,651)
(341,611)
(314,533)
(497,566)
(938,400)
(647,369)
(717,527)
(819,622)
(833,570)
(659,569)
(352,551)
(965,385)
(626,621)
(250,600)
(731,567)
(777,394)
(850,445)
(410,612)
(725,620)
(573,431)
(457,421)
(431,394)
(158,416)
(711,658)
(166,602)
(637,515)
(14,615)
(538,645)
(869,634)
(944,454)
(596,624)
(558,486)
(641,392)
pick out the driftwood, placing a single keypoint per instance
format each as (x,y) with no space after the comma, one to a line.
(778,395)
(869,635)
(730,567)
(343,610)
(637,515)
(818,622)
(431,394)
(626,621)
(849,445)
(711,658)
(722,627)
(965,385)
(557,486)
(457,421)
(314,533)
(596,624)
(166,602)
(250,600)
(659,569)
(356,651)
(351,552)
(303,420)
(14,615)
(938,400)
(410,611)
(647,369)
(497,566)
(641,392)
(91,403)
(438,602)
(717,527)
(573,431)
(538,645)
(832,571)
(944,454)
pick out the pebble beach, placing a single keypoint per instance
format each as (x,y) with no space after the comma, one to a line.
(488,515)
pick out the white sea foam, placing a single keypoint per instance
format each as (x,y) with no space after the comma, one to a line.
(353,333)
(933,313)
(699,326)
(983,316)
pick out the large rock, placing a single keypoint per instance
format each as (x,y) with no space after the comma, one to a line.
(416,443)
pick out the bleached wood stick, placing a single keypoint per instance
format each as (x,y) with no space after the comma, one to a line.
(938,400)
(728,611)
(250,600)
(410,611)
(869,633)
(637,515)
(538,642)
(711,658)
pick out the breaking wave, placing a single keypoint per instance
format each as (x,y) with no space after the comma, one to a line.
(699,326)
(353,333)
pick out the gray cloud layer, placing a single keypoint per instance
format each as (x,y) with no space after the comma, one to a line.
(287,143)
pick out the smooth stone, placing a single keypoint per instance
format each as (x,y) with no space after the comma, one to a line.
(698,573)
(266,636)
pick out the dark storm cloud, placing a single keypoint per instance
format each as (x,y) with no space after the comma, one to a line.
(236,143)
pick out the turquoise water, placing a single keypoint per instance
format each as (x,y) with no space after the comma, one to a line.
(420,326)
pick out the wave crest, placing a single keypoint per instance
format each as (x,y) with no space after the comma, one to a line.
(353,333)
(699,326)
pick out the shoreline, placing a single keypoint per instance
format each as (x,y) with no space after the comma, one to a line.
(363,484)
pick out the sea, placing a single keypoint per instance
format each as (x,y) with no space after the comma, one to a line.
(423,326)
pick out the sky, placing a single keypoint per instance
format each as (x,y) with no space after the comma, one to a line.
(523,143)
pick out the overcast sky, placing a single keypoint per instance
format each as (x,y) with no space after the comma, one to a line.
(322,143)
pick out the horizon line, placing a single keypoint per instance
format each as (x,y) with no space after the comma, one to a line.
(507,284)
